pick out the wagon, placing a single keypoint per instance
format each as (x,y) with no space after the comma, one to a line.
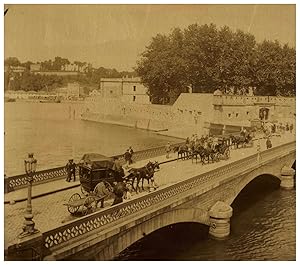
(96,177)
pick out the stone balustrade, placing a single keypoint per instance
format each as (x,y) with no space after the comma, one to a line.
(68,233)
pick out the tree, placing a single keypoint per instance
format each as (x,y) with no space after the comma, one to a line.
(162,67)
(12,61)
(275,70)
(207,58)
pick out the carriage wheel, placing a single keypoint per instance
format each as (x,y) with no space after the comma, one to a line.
(74,197)
(90,203)
(83,191)
(108,186)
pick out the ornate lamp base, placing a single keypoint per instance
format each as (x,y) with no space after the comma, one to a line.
(28,228)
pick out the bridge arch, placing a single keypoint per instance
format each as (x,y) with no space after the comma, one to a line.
(130,236)
(266,170)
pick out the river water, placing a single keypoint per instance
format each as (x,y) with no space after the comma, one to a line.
(263,227)
(50,131)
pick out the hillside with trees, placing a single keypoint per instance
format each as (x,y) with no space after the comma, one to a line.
(205,58)
(28,80)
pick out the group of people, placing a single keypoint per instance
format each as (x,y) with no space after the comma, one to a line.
(280,128)
(232,91)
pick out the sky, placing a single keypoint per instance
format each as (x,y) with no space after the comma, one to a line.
(114,36)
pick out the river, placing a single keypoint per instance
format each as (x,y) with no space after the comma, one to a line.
(263,227)
(50,131)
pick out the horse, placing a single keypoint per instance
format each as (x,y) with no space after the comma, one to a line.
(150,174)
(138,174)
(204,154)
(182,151)
(238,140)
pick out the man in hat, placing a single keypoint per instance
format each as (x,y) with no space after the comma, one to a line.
(130,150)
(71,168)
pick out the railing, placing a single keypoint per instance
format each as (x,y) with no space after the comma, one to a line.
(20,181)
(63,235)
(242,100)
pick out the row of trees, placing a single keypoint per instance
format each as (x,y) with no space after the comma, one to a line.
(205,58)
(29,81)
(47,65)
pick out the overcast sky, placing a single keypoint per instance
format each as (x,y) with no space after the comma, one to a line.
(114,35)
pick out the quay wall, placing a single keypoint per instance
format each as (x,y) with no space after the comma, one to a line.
(191,113)
(184,113)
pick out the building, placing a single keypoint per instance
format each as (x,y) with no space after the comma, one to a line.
(35,67)
(59,73)
(71,92)
(126,89)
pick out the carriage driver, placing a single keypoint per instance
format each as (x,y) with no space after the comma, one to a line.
(70,167)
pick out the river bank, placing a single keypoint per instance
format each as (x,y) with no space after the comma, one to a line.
(54,134)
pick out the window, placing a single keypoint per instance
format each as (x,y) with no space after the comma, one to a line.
(236,115)
(133,98)
(134,88)
(247,112)
(111,91)
(229,114)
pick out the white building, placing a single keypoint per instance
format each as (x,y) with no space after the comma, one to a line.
(129,90)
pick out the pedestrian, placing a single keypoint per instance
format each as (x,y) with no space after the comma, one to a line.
(168,150)
(119,188)
(287,127)
(71,168)
(127,158)
(127,194)
(102,192)
(258,150)
(268,143)
(187,141)
(291,128)
(130,150)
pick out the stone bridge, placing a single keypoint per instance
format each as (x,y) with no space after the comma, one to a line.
(205,198)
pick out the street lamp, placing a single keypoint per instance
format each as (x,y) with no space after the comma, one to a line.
(30,168)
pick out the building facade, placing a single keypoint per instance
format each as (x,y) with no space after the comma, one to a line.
(128,90)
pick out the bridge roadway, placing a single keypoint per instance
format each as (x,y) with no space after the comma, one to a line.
(50,213)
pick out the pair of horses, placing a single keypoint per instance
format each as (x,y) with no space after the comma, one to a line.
(140,174)
(183,151)
(240,140)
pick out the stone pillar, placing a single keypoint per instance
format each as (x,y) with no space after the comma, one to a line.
(220,215)
(287,178)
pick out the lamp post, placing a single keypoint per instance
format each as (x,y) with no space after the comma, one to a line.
(30,168)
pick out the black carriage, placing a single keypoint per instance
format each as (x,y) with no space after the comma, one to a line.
(96,175)
(95,168)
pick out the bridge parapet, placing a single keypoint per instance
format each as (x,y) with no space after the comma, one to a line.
(175,195)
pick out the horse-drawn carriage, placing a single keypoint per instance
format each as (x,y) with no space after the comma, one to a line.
(100,180)
(97,178)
